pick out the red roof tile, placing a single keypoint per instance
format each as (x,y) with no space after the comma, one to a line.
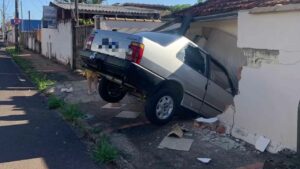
(211,7)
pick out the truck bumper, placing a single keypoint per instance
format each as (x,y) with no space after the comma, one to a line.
(128,73)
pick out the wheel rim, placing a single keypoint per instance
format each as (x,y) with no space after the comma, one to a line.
(164,107)
(114,90)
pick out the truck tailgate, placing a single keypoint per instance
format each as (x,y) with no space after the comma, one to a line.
(113,43)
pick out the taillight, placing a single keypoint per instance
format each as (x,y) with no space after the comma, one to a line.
(135,53)
(89,41)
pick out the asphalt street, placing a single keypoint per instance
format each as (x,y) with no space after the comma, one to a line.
(31,136)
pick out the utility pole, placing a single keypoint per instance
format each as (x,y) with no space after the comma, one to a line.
(3,20)
(22,14)
(76,13)
(16,25)
(29,24)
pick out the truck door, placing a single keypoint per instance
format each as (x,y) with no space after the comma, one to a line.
(192,75)
(220,90)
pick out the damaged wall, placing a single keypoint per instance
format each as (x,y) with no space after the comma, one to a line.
(267,104)
(219,38)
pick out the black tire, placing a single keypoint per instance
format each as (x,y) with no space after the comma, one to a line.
(153,101)
(110,91)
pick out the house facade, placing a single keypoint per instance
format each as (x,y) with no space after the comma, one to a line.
(259,43)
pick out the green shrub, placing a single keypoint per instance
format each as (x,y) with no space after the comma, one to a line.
(104,152)
(54,102)
(71,112)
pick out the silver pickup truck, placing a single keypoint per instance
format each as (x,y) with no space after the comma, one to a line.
(170,71)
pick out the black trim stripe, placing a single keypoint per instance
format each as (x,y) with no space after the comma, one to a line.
(210,105)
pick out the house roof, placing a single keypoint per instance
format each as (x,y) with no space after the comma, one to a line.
(28,25)
(105,8)
(211,7)
(129,26)
(149,6)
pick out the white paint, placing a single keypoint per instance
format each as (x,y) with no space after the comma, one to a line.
(269,31)
(30,43)
(11,36)
(228,26)
(57,43)
(269,95)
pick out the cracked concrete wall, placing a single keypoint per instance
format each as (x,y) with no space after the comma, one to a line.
(269,92)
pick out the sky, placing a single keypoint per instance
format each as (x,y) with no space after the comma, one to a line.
(36,9)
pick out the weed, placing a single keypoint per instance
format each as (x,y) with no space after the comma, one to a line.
(104,152)
(71,112)
(96,130)
(39,79)
(54,102)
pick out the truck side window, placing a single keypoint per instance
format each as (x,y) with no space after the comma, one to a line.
(219,76)
(193,57)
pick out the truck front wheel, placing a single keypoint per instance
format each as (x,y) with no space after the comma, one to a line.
(110,91)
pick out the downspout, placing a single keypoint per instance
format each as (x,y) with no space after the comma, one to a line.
(189,19)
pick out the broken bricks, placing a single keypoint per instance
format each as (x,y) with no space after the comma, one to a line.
(212,124)
(177,131)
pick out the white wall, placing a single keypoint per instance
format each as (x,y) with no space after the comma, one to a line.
(11,36)
(30,43)
(57,43)
(269,93)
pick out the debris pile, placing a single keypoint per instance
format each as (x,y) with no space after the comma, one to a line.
(212,124)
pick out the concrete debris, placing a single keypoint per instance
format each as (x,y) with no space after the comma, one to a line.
(113,106)
(257,165)
(21,80)
(211,124)
(204,160)
(177,131)
(262,143)
(128,114)
(66,90)
(204,120)
(181,144)
(50,90)
(221,141)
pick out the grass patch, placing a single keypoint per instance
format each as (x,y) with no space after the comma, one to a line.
(104,152)
(71,112)
(54,102)
(38,78)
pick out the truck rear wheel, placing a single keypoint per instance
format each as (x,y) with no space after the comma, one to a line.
(110,91)
(161,106)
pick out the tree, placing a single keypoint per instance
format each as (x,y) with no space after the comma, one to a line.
(179,7)
(86,1)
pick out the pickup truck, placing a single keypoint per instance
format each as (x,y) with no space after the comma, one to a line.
(170,71)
